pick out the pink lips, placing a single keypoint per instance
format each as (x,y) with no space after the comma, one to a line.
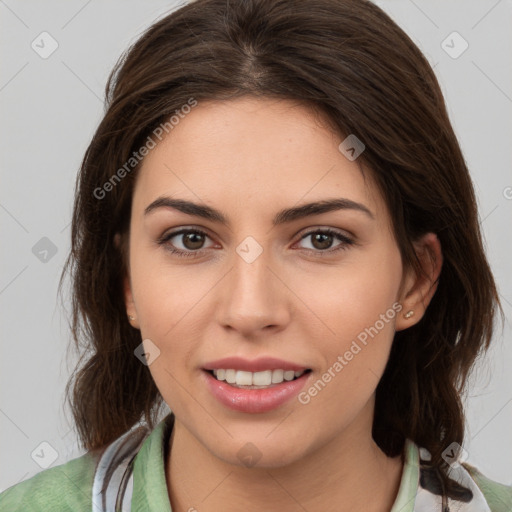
(253,400)
(258,365)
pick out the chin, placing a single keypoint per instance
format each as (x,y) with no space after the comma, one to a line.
(259,451)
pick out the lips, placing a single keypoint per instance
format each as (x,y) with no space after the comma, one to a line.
(256,365)
(254,399)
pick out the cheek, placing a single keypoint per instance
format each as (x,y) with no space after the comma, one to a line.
(352,297)
(354,310)
(173,305)
(170,305)
(164,293)
(354,338)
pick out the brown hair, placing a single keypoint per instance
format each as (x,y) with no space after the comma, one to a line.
(353,64)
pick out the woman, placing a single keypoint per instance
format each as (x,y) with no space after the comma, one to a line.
(275,235)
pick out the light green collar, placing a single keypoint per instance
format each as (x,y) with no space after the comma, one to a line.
(406,496)
(149,482)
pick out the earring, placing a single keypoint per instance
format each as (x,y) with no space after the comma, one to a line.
(409,314)
(130,317)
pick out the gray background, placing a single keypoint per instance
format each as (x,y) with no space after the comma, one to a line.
(50,108)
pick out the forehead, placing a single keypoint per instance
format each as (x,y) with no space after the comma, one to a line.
(253,153)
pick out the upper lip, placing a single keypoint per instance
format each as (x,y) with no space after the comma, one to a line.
(256,365)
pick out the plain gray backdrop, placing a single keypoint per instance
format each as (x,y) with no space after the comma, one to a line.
(51,104)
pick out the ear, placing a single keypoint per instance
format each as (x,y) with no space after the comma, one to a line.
(417,290)
(131,312)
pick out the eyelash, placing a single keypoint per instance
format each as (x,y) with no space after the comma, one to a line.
(191,254)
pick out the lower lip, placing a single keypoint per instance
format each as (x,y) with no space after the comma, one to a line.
(254,400)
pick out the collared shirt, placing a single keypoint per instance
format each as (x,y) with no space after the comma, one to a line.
(68,487)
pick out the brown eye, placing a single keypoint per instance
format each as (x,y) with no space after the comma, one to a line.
(185,242)
(193,240)
(322,241)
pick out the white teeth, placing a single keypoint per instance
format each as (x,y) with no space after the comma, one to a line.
(277,376)
(243,378)
(263,378)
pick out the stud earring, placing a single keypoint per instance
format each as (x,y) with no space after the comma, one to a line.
(409,314)
(131,317)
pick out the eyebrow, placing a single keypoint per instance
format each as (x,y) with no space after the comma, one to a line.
(284,216)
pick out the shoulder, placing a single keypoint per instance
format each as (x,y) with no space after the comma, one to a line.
(67,487)
(497,495)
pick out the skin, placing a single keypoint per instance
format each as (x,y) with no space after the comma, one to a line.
(250,158)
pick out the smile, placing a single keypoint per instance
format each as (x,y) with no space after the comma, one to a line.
(255,380)
(255,398)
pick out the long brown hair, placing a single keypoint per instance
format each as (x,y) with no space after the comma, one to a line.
(348,60)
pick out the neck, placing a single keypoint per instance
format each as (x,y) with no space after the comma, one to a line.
(350,473)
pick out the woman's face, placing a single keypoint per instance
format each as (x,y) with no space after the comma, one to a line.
(261,279)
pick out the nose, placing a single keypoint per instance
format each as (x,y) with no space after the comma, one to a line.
(254,298)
